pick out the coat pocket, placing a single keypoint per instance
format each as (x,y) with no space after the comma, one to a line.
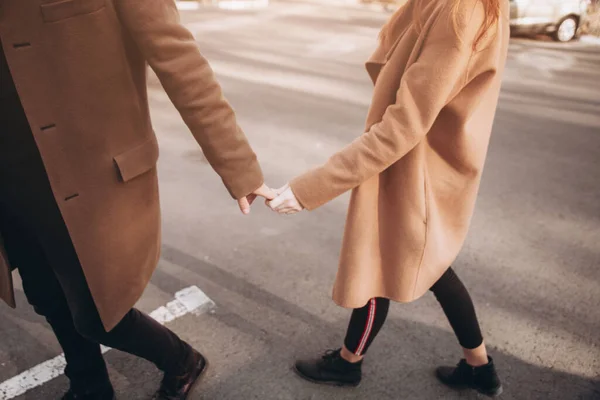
(138,160)
(54,12)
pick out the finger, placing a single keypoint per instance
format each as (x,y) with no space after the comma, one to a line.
(287,207)
(244,205)
(276,202)
(287,203)
(282,189)
(268,204)
(266,192)
(287,211)
(283,211)
(280,210)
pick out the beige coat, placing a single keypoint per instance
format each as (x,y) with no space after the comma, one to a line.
(416,170)
(80,70)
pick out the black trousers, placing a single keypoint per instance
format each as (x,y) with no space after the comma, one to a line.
(452,295)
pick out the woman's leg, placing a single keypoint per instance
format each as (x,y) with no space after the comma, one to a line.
(342,367)
(460,311)
(477,370)
(364,325)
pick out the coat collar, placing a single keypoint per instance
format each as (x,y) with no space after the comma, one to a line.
(381,55)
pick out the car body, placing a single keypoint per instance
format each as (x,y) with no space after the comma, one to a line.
(559,18)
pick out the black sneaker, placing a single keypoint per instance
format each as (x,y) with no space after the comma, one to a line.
(484,379)
(106,393)
(330,369)
(179,387)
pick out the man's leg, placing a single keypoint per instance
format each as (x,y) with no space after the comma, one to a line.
(85,369)
(136,333)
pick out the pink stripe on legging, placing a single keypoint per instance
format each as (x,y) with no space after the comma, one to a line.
(368,328)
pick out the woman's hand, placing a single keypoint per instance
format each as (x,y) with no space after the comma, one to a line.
(285,202)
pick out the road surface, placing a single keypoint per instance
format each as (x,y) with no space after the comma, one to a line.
(294,73)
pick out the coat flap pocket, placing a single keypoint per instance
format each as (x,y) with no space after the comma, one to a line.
(58,11)
(138,160)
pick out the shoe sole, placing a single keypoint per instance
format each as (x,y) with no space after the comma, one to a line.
(493,393)
(328,383)
(198,378)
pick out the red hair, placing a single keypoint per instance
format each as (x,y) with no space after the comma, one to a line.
(491,9)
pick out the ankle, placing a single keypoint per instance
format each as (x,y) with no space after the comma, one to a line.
(477,363)
(350,357)
(476,357)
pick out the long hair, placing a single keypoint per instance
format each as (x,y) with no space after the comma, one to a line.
(492,15)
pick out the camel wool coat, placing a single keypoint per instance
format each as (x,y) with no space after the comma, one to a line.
(79,67)
(415,172)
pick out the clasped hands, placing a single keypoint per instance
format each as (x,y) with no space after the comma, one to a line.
(281,200)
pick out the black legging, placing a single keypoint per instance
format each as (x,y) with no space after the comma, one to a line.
(452,295)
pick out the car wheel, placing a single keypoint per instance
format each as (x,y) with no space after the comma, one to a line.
(566,30)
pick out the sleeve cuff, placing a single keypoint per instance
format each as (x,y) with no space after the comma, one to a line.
(311,190)
(244,184)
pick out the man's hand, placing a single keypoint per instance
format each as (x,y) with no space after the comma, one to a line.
(285,202)
(263,191)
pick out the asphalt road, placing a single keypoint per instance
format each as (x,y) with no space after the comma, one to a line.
(294,73)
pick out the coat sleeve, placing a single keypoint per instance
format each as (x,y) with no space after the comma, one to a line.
(425,89)
(171,51)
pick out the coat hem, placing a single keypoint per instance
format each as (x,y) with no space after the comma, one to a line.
(360,304)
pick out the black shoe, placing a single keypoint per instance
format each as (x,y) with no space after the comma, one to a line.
(484,379)
(106,393)
(330,369)
(179,387)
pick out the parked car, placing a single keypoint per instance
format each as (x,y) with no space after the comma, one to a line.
(559,18)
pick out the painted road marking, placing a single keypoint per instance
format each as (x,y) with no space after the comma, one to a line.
(188,5)
(243,4)
(190,300)
(225,4)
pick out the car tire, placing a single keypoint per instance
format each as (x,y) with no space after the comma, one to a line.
(566,29)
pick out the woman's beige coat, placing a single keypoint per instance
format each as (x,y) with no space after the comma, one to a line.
(416,169)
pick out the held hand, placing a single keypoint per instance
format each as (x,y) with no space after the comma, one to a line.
(263,191)
(286,202)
